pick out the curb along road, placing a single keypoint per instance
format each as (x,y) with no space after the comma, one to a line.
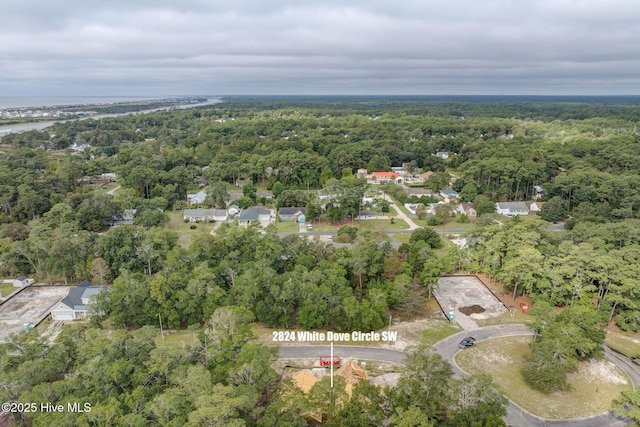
(448,347)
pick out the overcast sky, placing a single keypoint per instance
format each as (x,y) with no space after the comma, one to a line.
(175,47)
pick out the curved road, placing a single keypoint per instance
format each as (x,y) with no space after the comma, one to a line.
(448,347)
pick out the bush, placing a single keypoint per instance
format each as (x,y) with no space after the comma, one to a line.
(434,220)
(427,235)
(462,219)
(347,234)
(628,321)
(193,226)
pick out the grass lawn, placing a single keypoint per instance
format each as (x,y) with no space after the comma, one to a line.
(439,330)
(382,224)
(287,226)
(506,318)
(178,337)
(593,386)
(449,225)
(401,238)
(6,289)
(628,344)
(105,188)
(177,224)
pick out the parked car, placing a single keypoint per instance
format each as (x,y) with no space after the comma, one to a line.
(309,226)
(467,342)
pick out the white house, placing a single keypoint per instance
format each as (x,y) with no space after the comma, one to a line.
(510,209)
(22,281)
(76,304)
(197,215)
(364,215)
(196,198)
(79,146)
(442,154)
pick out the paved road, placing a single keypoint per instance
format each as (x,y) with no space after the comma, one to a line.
(516,416)
(448,347)
(343,351)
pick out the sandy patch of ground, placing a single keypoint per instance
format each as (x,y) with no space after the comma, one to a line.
(599,371)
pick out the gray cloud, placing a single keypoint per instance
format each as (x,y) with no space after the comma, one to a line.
(80,47)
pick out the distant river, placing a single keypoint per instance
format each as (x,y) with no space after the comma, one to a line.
(23,127)
(35,102)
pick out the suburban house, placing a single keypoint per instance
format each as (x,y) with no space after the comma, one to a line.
(467,209)
(399,170)
(292,214)
(79,146)
(425,175)
(233,210)
(126,218)
(361,173)
(442,154)
(367,215)
(22,281)
(76,304)
(368,199)
(196,198)
(385,177)
(535,206)
(199,215)
(431,207)
(248,215)
(419,192)
(449,194)
(510,209)
(266,194)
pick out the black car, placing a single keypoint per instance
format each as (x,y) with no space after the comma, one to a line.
(467,342)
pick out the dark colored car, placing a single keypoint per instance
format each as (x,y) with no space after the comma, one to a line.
(467,342)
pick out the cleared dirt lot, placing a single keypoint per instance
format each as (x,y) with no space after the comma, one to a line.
(29,306)
(468,299)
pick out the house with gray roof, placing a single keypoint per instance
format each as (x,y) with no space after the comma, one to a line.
(292,214)
(196,198)
(510,209)
(263,215)
(448,193)
(76,304)
(22,281)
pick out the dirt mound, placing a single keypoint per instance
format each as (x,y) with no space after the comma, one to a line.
(472,309)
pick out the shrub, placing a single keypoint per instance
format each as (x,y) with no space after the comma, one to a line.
(193,226)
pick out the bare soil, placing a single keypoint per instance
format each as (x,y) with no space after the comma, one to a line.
(472,309)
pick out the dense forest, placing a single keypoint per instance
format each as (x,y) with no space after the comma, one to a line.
(579,156)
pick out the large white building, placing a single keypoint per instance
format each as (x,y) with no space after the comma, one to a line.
(510,209)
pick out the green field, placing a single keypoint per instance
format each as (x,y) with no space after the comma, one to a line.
(593,386)
(287,226)
(439,330)
(628,344)
(6,289)
(382,224)
(184,338)
(177,224)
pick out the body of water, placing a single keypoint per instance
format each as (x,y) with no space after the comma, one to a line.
(53,101)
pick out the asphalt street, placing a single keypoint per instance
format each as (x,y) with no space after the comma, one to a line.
(448,347)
